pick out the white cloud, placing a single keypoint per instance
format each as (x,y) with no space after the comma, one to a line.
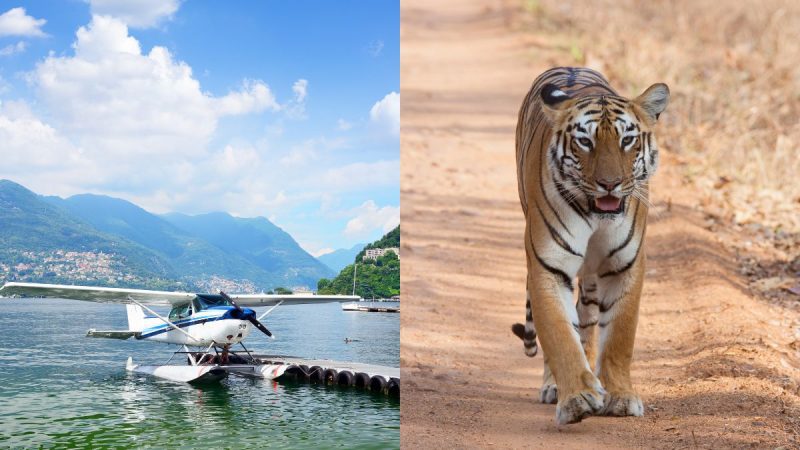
(36,155)
(122,105)
(27,141)
(369,217)
(136,13)
(255,96)
(322,251)
(362,175)
(386,113)
(10,49)
(300,89)
(235,161)
(296,109)
(343,125)
(15,22)
(299,155)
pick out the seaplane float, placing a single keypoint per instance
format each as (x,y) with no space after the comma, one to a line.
(206,326)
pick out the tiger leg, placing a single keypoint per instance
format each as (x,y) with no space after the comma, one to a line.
(618,319)
(579,391)
(588,314)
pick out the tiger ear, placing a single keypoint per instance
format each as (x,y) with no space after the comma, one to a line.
(554,101)
(654,100)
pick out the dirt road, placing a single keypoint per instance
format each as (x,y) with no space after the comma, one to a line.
(715,366)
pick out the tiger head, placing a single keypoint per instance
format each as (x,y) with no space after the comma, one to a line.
(603,148)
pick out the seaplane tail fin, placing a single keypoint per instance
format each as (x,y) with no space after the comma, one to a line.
(135,317)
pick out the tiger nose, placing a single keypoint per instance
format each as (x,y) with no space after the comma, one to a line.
(609,185)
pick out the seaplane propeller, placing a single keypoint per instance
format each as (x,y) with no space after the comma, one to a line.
(250,317)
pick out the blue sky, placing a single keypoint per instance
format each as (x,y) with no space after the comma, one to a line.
(288,110)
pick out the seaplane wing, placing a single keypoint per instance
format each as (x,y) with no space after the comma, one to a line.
(123,295)
(95,294)
(290,299)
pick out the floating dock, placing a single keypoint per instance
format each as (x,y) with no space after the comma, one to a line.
(375,378)
(371,377)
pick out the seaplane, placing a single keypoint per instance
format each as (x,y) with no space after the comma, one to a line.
(209,323)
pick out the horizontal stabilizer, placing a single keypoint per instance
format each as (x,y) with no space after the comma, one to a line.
(122,334)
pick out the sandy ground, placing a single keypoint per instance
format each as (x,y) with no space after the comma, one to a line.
(716,367)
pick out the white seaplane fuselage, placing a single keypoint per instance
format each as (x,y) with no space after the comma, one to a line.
(203,321)
(216,325)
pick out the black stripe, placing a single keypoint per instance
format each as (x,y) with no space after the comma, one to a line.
(593,85)
(630,232)
(626,266)
(577,208)
(607,307)
(529,335)
(589,301)
(572,74)
(544,194)
(565,279)
(557,237)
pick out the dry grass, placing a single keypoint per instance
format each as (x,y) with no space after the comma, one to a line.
(734,71)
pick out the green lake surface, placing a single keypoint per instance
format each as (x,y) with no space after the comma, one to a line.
(61,389)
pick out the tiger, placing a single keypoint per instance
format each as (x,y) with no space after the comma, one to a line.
(584,159)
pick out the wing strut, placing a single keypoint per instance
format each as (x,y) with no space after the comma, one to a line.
(165,320)
(269,310)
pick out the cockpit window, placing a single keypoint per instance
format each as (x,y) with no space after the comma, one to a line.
(180,312)
(207,301)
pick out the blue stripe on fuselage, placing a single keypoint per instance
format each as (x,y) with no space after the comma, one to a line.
(152,331)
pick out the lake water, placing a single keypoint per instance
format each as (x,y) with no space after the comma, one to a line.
(61,389)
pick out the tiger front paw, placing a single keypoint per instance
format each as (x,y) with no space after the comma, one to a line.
(576,407)
(623,404)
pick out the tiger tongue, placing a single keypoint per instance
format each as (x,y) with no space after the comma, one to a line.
(607,203)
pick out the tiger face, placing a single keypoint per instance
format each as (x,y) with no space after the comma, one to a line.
(603,149)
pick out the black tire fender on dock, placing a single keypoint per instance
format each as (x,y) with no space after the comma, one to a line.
(393,387)
(345,378)
(301,373)
(377,384)
(329,376)
(361,380)
(316,374)
(295,372)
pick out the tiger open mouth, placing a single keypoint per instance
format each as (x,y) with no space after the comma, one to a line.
(608,204)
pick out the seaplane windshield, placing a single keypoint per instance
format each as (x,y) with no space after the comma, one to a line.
(203,302)
(180,312)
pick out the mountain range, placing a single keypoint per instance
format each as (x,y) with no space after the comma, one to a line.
(95,239)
